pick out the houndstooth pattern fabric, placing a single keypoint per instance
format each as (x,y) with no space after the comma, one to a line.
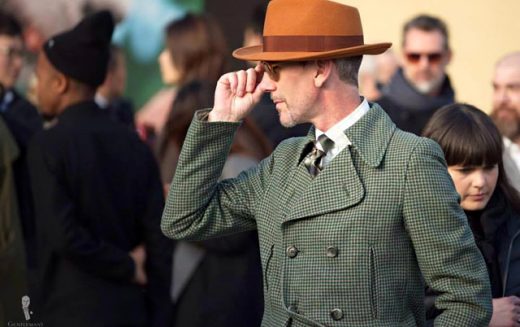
(347,247)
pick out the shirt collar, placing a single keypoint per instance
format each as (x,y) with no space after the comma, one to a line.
(6,100)
(337,132)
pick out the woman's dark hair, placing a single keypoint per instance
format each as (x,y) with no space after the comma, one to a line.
(468,137)
(191,97)
(197,48)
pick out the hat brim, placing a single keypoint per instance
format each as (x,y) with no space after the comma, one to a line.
(256,53)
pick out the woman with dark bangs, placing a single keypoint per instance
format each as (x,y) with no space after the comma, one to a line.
(472,146)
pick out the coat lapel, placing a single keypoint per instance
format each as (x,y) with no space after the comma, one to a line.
(339,185)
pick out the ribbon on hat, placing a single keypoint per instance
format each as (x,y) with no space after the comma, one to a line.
(310,43)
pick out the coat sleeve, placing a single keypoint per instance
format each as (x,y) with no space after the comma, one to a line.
(55,215)
(199,207)
(446,252)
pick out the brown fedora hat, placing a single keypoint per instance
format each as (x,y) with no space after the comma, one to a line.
(297,30)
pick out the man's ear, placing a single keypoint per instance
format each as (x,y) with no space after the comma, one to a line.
(61,83)
(323,72)
(449,56)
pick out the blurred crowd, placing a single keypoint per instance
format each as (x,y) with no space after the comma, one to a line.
(80,235)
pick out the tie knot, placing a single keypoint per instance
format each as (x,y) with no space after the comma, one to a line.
(326,143)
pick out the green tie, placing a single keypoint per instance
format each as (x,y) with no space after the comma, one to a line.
(314,158)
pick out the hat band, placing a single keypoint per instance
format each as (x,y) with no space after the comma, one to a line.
(310,43)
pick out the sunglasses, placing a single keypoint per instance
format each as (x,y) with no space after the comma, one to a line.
(433,58)
(272,68)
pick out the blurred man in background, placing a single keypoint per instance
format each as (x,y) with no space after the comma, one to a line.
(506,111)
(422,85)
(109,95)
(22,120)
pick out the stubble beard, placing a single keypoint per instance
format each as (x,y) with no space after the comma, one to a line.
(291,122)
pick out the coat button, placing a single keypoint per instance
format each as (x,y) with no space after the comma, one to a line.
(332,252)
(292,251)
(336,314)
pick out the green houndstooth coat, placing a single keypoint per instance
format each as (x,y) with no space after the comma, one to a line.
(347,248)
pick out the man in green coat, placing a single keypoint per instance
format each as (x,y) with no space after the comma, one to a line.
(351,219)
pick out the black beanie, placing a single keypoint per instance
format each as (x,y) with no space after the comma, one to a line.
(83,52)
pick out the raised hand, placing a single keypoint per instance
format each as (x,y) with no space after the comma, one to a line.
(236,94)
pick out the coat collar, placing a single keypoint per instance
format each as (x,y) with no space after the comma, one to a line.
(371,135)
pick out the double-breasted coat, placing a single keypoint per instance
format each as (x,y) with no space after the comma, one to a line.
(348,247)
(97,196)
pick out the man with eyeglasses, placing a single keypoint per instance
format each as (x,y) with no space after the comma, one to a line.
(19,113)
(350,217)
(422,85)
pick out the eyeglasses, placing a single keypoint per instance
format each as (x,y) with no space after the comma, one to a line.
(273,68)
(12,52)
(433,58)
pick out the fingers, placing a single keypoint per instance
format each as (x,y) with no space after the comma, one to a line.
(252,78)
(242,82)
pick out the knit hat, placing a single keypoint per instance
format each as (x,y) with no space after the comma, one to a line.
(82,53)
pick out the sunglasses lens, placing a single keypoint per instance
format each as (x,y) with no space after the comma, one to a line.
(433,58)
(271,70)
(413,57)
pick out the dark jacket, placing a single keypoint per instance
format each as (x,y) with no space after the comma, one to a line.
(409,109)
(122,110)
(226,288)
(13,283)
(496,231)
(23,121)
(501,226)
(97,196)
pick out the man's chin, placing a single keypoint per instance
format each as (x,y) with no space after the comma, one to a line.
(428,86)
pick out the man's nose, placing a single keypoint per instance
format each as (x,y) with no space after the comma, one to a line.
(424,62)
(267,84)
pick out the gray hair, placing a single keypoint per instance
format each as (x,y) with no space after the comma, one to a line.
(348,69)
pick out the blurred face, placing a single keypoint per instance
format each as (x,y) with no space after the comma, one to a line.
(475,185)
(169,72)
(425,59)
(506,99)
(11,59)
(47,91)
(292,91)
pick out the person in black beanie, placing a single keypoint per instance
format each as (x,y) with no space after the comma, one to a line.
(102,260)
